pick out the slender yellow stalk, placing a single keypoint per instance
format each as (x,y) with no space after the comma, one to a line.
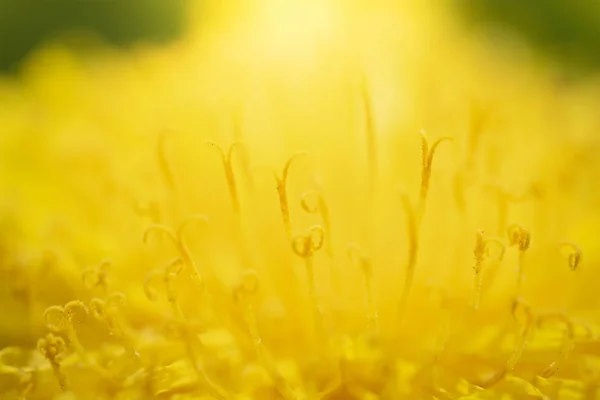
(524,315)
(247,288)
(413,249)
(209,385)
(567,341)
(313,202)
(52,348)
(229,174)
(204,381)
(528,319)
(305,246)
(480,252)
(108,311)
(63,320)
(166,275)
(178,239)
(520,237)
(97,276)
(427,154)
(364,263)
(187,335)
(281,182)
(414,216)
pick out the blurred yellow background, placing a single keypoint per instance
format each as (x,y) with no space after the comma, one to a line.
(98,146)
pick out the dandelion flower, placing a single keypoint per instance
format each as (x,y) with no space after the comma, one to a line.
(139,262)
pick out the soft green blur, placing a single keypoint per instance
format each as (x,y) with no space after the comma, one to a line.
(25,25)
(566,32)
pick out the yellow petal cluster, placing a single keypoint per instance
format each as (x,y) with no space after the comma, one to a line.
(300,200)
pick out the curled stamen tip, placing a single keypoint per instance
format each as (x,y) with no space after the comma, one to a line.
(146,234)
(76,311)
(574,255)
(434,146)
(482,247)
(288,164)
(560,318)
(51,346)
(520,307)
(212,143)
(518,235)
(90,277)
(95,275)
(300,245)
(307,205)
(159,228)
(306,245)
(54,318)
(318,234)
(174,267)
(226,155)
(97,307)
(116,300)
(574,260)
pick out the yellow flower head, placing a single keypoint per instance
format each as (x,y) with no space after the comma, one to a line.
(254,212)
